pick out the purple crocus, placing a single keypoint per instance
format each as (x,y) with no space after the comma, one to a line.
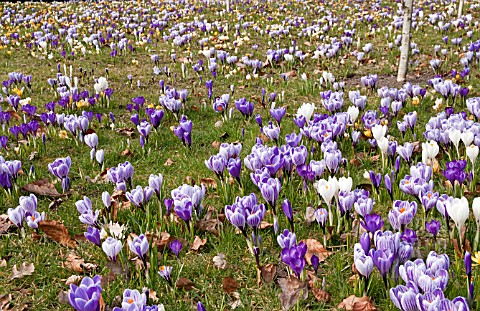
(139,246)
(93,235)
(372,222)
(176,247)
(278,114)
(295,257)
(86,296)
(288,211)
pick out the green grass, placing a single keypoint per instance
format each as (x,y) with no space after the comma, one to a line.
(41,290)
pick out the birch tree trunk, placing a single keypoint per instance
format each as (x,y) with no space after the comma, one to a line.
(460,9)
(405,48)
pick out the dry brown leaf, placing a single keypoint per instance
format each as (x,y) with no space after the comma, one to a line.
(25,269)
(197,243)
(189,180)
(220,262)
(14,115)
(42,187)
(211,225)
(168,162)
(129,132)
(63,297)
(209,183)
(126,153)
(73,279)
(216,144)
(57,232)
(5,224)
(310,214)
(265,225)
(269,271)
(184,283)
(315,248)
(77,264)
(3,264)
(117,269)
(357,303)
(230,285)
(321,295)
(291,290)
(5,301)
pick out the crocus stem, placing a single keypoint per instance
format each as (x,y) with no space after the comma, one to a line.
(477,236)
(250,245)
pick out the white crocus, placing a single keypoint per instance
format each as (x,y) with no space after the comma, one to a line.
(467,138)
(454,136)
(345,183)
(476,213)
(306,110)
(458,211)
(101,85)
(353,112)
(327,190)
(379,131)
(472,154)
(429,151)
(383,145)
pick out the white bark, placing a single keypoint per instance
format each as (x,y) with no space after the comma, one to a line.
(405,48)
(460,9)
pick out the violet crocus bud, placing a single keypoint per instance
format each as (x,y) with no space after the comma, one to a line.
(287,210)
(200,307)
(433,227)
(258,119)
(93,235)
(315,262)
(365,242)
(168,205)
(176,247)
(468,264)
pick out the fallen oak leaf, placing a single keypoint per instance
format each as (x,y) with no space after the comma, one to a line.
(291,289)
(5,301)
(209,183)
(197,243)
(25,269)
(230,285)
(219,261)
(73,279)
(77,264)
(5,224)
(269,271)
(57,232)
(321,295)
(42,187)
(357,303)
(168,162)
(184,283)
(315,248)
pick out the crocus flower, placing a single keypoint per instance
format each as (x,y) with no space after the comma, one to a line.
(287,210)
(112,247)
(176,247)
(155,182)
(278,114)
(16,216)
(402,214)
(165,272)
(93,235)
(34,219)
(458,211)
(295,257)
(133,300)
(139,246)
(86,296)
(372,222)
